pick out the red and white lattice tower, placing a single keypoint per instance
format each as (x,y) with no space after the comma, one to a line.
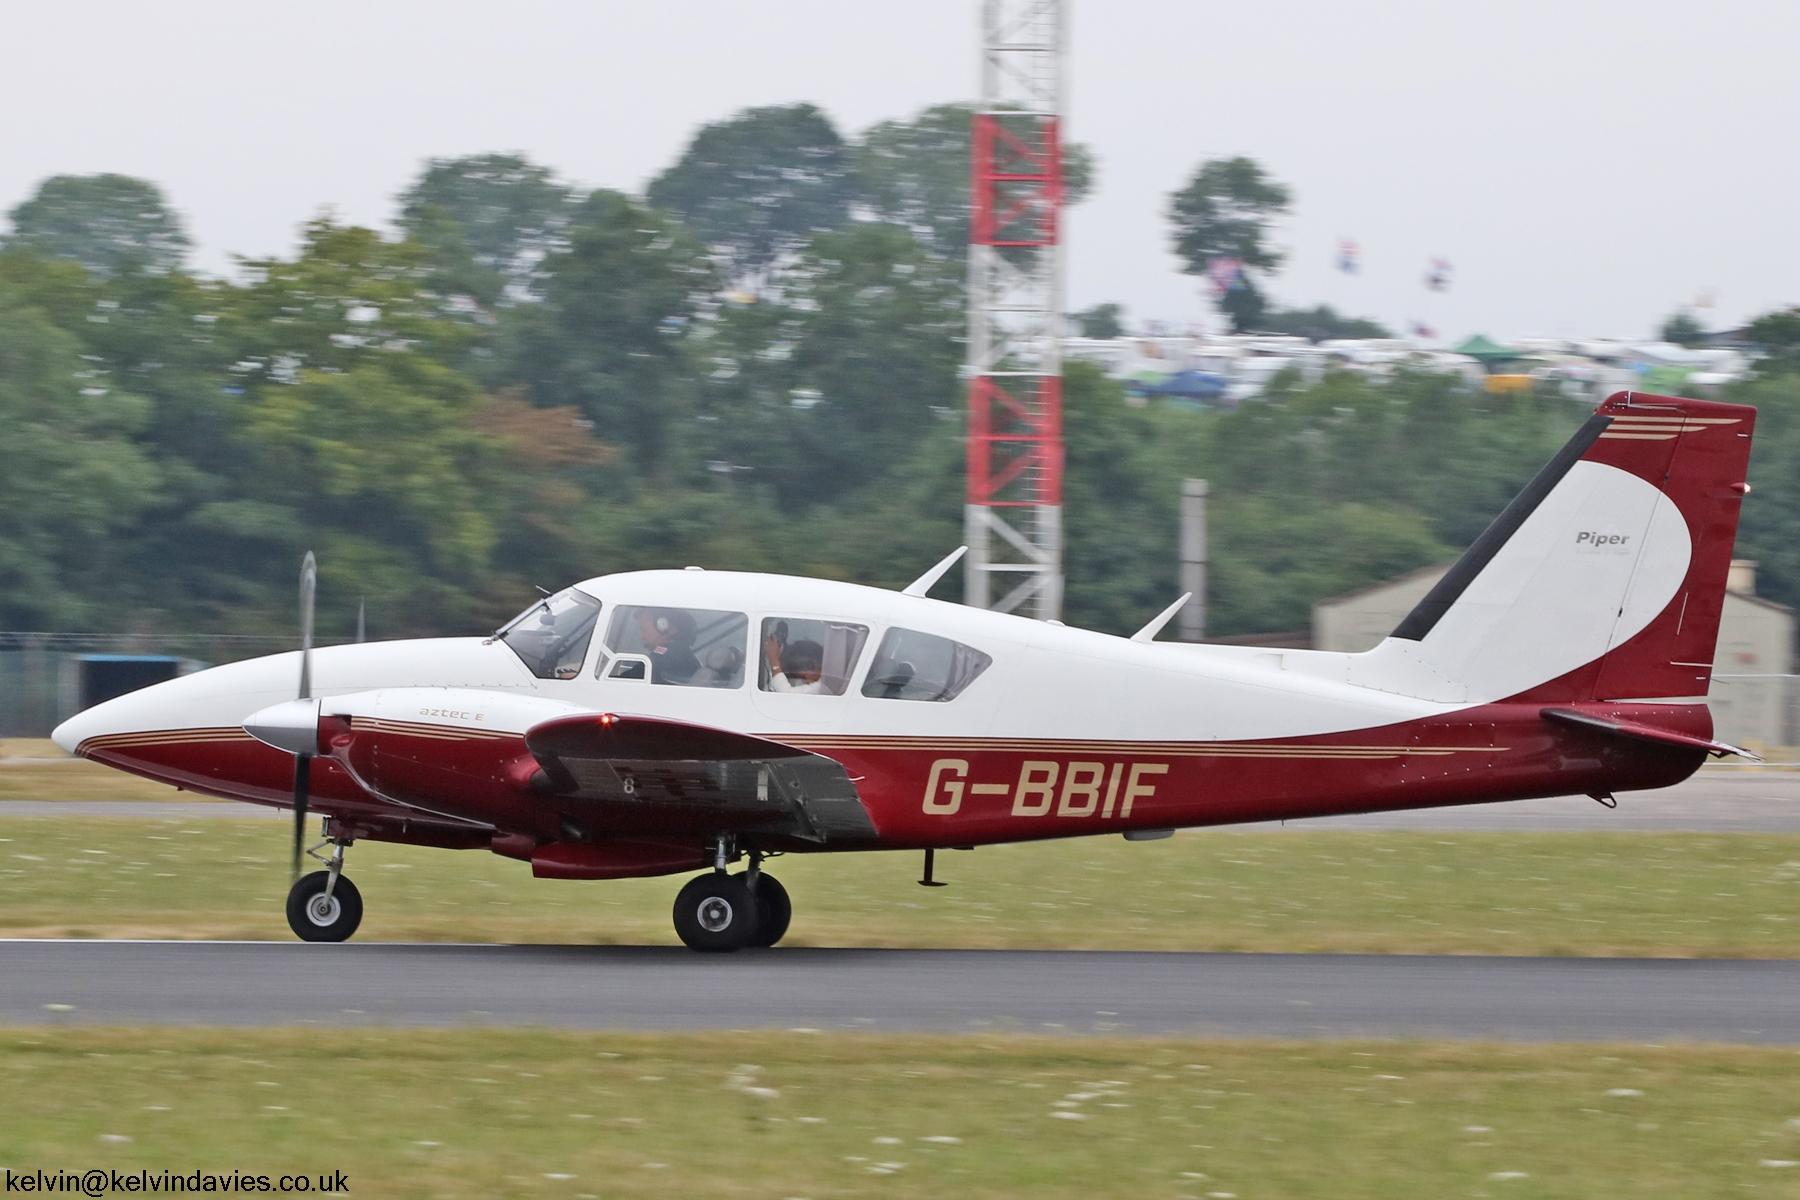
(1013,518)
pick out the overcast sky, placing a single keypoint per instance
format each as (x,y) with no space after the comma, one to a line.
(1585,166)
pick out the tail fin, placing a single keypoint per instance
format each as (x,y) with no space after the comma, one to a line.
(1603,580)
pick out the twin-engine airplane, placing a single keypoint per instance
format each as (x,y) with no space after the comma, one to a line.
(658,722)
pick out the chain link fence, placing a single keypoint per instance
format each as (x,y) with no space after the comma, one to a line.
(1758,712)
(43,676)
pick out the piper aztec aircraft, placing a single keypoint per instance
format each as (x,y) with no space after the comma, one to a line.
(658,722)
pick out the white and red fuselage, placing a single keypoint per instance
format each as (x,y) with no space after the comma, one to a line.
(1569,652)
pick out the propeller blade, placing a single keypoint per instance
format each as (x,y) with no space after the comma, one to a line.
(302,785)
(309,582)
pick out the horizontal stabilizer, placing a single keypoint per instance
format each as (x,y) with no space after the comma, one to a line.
(646,739)
(1642,732)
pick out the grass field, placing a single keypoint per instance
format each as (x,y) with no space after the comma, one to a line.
(1663,894)
(502,1112)
(37,769)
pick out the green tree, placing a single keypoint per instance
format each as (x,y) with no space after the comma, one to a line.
(1769,521)
(1418,442)
(154,337)
(1683,328)
(150,335)
(1100,321)
(1777,334)
(110,224)
(916,174)
(837,380)
(1320,324)
(353,423)
(348,298)
(488,220)
(1224,212)
(760,184)
(1119,508)
(72,482)
(1272,559)
(608,338)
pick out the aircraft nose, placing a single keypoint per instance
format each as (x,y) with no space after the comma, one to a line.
(122,714)
(76,730)
(218,698)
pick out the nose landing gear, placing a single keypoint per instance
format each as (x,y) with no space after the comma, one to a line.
(325,906)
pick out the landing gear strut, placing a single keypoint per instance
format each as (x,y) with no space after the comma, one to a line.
(325,906)
(718,913)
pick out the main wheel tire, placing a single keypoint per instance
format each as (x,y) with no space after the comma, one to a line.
(316,917)
(715,913)
(773,910)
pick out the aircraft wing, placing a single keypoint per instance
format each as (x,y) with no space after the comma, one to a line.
(622,736)
(654,765)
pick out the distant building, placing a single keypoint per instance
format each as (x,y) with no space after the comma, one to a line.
(1586,370)
(1753,697)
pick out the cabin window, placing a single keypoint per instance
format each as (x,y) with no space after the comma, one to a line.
(809,658)
(911,665)
(551,637)
(687,647)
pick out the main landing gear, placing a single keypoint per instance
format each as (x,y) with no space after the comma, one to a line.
(718,912)
(325,906)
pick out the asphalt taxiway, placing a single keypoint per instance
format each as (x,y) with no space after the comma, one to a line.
(972,991)
(922,990)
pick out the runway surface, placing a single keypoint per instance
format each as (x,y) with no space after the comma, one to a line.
(1073,993)
(1710,802)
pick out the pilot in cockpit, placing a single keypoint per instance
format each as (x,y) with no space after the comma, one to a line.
(668,635)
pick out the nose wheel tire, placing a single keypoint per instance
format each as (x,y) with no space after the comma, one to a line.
(316,917)
(715,913)
(773,911)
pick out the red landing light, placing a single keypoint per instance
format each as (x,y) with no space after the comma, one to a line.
(608,719)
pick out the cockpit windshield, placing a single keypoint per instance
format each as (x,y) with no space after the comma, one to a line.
(551,637)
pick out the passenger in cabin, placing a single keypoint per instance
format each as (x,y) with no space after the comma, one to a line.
(797,669)
(807,656)
(668,635)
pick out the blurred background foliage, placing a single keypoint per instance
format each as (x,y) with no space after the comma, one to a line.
(755,366)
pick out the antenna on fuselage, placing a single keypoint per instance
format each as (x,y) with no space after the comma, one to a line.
(930,862)
(1148,633)
(922,584)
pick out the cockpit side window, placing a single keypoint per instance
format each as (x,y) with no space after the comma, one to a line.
(910,665)
(551,637)
(687,647)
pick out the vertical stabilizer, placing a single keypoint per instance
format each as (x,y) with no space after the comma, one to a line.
(1603,580)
